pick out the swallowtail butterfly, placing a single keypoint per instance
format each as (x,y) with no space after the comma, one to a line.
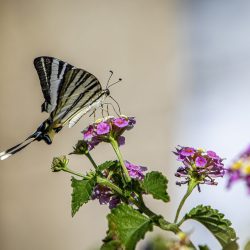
(69,93)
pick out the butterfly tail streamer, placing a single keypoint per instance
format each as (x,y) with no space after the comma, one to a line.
(11,151)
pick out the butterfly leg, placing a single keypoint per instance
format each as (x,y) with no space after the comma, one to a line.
(109,103)
(117,104)
(107,109)
(93,113)
(102,107)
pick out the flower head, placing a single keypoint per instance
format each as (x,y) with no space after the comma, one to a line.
(103,129)
(59,163)
(81,148)
(239,170)
(198,164)
(135,171)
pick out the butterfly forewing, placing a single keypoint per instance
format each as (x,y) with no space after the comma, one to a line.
(69,93)
(79,91)
(51,72)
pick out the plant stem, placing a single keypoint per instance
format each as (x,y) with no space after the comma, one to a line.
(181,221)
(109,184)
(191,185)
(72,172)
(119,155)
(157,219)
(160,221)
(91,160)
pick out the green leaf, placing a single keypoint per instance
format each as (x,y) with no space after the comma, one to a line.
(247,246)
(107,164)
(127,226)
(156,184)
(82,191)
(111,245)
(231,246)
(214,221)
(203,247)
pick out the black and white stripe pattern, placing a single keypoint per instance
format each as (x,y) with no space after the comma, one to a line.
(69,93)
(79,91)
(51,72)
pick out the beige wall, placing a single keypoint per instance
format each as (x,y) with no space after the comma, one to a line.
(135,38)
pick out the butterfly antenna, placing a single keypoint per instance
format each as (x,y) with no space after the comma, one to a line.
(111,73)
(120,79)
(116,104)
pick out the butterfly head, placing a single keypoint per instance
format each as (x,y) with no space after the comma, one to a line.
(106,92)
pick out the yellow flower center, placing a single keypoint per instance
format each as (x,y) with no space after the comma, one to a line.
(202,150)
(237,165)
(246,169)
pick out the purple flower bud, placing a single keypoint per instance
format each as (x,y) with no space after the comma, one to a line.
(102,194)
(114,201)
(213,155)
(88,134)
(94,142)
(102,128)
(105,196)
(245,153)
(121,140)
(135,172)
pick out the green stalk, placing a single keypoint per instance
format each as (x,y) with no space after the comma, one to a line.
(91,160)
(191,185)
(72,172)
(109,184)
(115,146)
(159,220)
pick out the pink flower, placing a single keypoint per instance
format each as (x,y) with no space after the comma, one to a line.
(200,161)
(88,134)
(212,154)
(135,172)
(120,122)
(186,151)
(102,128)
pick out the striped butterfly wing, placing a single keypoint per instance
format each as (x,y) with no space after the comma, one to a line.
(80,92)
(51,72)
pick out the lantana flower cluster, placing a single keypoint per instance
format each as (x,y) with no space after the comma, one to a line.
(239,170)
(105,194)
(199,165)
(103,129)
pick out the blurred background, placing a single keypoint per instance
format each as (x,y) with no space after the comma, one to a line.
(186,78)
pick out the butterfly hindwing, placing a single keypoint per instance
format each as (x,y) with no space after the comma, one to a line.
(79,91)
(51,72)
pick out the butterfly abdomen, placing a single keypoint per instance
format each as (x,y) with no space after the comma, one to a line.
(46,131)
